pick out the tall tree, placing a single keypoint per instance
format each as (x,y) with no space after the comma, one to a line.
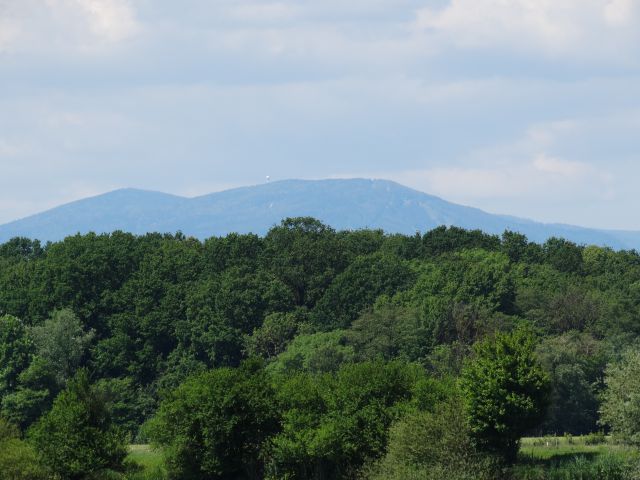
(506,390)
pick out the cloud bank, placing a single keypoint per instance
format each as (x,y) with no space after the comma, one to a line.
(525,107)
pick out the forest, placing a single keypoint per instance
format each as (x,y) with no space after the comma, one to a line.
(310,353)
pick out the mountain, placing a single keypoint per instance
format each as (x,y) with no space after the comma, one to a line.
(343,204)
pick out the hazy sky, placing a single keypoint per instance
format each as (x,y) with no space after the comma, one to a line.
(525,107)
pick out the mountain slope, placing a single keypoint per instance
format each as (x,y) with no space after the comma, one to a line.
(343,204)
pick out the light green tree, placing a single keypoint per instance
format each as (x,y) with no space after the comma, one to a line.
(620,408)
(506,390)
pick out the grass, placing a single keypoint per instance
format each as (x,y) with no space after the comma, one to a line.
(580,458)
(149,460)
(546,448)
(545,458)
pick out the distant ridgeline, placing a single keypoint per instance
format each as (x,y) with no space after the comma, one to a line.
(292,354)
(348,204)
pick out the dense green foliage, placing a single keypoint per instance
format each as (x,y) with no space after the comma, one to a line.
(214,425)
(77,437)
(313,353)
(506,392)
(18,460)
(621,400)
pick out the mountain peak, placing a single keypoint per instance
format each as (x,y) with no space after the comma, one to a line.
(352,203)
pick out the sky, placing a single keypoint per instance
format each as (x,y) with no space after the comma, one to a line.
(523,107)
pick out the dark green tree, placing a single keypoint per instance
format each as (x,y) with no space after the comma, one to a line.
(357,288)
(306,255)
(575,363)
(215,424)
(275,333)
(563,255)
(389,332)
(77,437)
(16,350)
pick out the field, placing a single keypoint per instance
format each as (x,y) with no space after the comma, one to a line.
(149,460)
(569,458)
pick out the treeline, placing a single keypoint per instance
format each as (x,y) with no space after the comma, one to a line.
(311,353)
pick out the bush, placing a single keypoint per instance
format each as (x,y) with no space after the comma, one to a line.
(77,438)
(18,460)
(433,445)
(214,424)
(333,423)
(596,438)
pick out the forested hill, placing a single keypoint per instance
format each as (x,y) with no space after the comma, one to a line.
(343,204)
(309,353)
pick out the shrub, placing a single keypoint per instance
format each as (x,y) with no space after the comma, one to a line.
(433,445)
(18,460)
(77,438)
(333,423)
(596,438)
(214,424)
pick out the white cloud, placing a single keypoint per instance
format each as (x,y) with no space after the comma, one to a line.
(555,179)
(583,28)
(620,12)
(110,20)
(66,25)
(8,149)
(8,33)
(558,166)
(261,12)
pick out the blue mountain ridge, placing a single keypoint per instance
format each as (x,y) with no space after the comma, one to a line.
(342,203)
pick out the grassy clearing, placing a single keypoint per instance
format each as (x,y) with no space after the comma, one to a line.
(547,458)
(546,448)
(579,458)
(149,460)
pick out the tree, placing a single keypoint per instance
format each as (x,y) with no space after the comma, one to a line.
(358,287)
(620,408)
(449,239)
(334,422)
(77,437)
(506,391)
(58,347)
(62,342)
(214,424)
(574,362)
(563,255)
(37,387)
(275,333)
(317,353)
(15,352)
(306,255)
(388,332)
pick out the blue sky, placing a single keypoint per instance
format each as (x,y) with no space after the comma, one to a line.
(524,107)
